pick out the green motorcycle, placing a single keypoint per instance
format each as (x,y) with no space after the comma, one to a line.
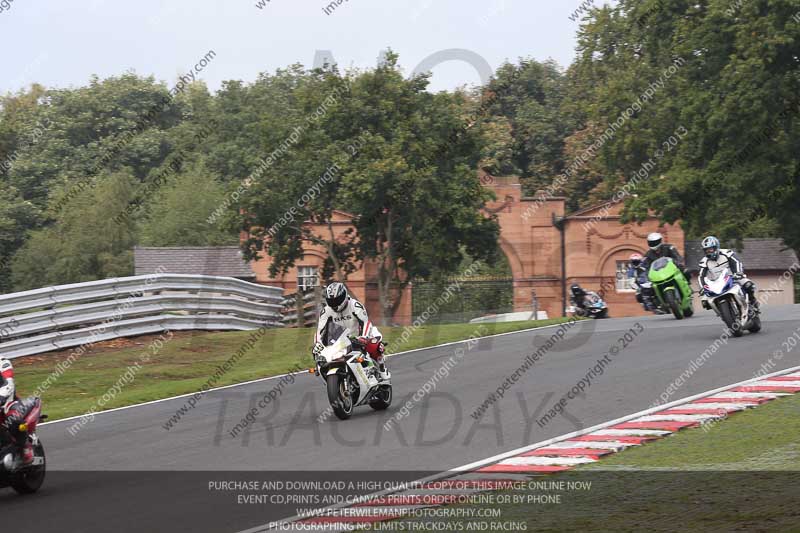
(671,287)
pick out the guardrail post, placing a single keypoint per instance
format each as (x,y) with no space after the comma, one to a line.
(299,302)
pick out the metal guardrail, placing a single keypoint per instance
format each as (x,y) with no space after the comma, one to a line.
(64,316)
(309,306)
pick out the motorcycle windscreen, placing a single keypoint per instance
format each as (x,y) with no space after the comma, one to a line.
(660,264)
(336,332)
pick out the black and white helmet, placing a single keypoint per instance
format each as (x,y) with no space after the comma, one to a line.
(336,296)
(654,240)
(711,247)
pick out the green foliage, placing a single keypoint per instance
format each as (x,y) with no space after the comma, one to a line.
(381,147)
(528,99)
(402,160)
(16,216)
(736,172)
(178,212)
(84,245)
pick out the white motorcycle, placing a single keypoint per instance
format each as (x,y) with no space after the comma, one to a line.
(726,298)
(351,376)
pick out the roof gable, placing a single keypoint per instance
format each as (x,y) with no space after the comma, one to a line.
(756,254)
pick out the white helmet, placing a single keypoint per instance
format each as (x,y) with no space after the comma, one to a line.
(654,240)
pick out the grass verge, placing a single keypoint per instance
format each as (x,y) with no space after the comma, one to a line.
(187,360)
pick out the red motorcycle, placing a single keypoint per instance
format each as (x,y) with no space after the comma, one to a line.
(25,479)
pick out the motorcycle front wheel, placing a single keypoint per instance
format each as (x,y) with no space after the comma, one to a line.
(339,396)
(673,304)
(30,479)
(382,399)
(728,314)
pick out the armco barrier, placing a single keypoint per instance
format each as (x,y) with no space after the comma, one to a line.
(64,316)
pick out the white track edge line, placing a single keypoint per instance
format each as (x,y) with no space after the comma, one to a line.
(259,380)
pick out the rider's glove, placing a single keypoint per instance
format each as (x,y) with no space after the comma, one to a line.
(317,349)
(361,341)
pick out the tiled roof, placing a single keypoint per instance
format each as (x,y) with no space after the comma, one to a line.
(756,254)
(206,260)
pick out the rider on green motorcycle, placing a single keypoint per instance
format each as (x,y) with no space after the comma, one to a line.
(659,249)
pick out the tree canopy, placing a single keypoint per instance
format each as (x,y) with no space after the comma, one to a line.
(706,90)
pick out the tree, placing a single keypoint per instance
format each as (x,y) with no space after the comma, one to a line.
(16,217)
(528,97)
(178,212)
(416,199)
(85,245)
(736,172)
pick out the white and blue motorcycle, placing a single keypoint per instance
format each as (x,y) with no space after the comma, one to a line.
(730,302)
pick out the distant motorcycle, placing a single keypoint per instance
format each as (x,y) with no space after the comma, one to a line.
(25,479)
(593,306)
(351,377)
(726,298)
(672,290)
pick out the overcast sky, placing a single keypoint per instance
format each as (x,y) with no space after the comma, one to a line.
(62,42)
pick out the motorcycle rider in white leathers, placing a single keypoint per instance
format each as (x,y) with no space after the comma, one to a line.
(347,312)
(717,258)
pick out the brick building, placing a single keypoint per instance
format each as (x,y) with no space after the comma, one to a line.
(596,247)
(546,248)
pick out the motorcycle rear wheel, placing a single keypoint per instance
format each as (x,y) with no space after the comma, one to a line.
(673,304)
(339,396)
(30,479)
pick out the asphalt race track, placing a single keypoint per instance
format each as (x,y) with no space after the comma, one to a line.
(125,472)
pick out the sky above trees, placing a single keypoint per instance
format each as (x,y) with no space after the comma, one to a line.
(59,43)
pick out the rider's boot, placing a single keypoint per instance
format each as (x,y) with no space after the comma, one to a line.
(383,373)
(750,289)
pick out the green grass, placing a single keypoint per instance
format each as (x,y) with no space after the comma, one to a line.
(186,362)
(741,474)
